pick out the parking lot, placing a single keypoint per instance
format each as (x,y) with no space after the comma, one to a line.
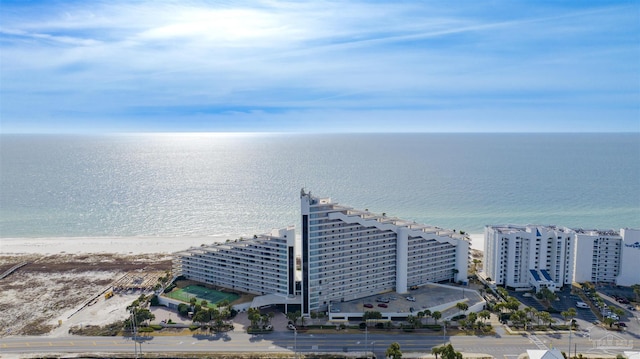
(433,297)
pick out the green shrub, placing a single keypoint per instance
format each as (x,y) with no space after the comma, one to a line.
(193,327)
(156,326)
(436,327)
(145,330)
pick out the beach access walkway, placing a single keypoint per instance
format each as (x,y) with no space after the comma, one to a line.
(13,269)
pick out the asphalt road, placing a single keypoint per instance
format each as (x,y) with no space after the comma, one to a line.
(506,346)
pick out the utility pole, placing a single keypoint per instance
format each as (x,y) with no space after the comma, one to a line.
(295,342)
(570,327)
(134,330)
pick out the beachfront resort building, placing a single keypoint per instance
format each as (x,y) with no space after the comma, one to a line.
(346,254)
(260,265)
(551,257)
(349,254)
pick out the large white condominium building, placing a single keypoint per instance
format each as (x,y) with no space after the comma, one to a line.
(261,265)
(349,254)
(549,256)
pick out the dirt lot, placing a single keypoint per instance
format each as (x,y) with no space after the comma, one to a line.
(54,287)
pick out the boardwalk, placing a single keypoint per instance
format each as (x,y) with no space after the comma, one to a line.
(13,269)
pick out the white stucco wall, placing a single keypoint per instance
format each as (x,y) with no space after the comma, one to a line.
(629,272)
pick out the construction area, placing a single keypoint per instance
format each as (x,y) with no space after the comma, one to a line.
(138,281)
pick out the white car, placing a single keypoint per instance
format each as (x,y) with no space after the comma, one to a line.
(411,299)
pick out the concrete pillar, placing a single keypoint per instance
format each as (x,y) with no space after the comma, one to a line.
(402,259)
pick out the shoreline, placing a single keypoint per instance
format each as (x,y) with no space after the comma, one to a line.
(126,245)
(94,245)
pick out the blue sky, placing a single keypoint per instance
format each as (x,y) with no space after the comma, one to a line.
(320,66)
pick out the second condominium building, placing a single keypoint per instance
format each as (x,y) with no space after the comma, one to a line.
(349,254)
(551,257)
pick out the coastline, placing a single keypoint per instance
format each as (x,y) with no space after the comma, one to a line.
(125,245)
(94,245)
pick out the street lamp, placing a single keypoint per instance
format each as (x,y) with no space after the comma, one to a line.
(444,334)
(295,342)
(366,338)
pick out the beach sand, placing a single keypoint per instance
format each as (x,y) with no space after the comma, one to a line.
(116,245)
(124,245)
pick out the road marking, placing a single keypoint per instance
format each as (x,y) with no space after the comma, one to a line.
(535,340)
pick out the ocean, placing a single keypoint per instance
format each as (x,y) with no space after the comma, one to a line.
(232,185)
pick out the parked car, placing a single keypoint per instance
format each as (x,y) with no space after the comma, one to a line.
(291,326)
(382,300)
(411,299)
(582,305)
(368,305)
(335,310)
(382,305)
(620,324)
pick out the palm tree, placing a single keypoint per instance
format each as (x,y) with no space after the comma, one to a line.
(293,316)
(393,351)
(253,314)
(471,318)
(420,315)
(436,315)
(437,350)
(546,318)
(484,315)
(462,306)
(446,352)
(427,314)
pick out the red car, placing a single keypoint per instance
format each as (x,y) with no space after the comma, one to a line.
(382,305)
(368,305)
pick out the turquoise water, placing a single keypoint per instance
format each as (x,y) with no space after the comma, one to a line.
(233,185)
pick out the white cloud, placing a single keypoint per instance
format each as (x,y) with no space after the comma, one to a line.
(117,56)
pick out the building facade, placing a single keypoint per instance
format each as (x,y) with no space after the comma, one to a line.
(550,256)
(629,273)
(261,265)
(349,254)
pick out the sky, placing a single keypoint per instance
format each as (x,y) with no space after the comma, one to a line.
(319,66)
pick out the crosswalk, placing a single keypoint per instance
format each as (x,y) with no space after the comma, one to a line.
(535,340)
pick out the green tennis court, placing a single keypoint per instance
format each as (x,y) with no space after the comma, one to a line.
(212,296)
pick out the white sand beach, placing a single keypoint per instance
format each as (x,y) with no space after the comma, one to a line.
(124,245)
(89,245)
